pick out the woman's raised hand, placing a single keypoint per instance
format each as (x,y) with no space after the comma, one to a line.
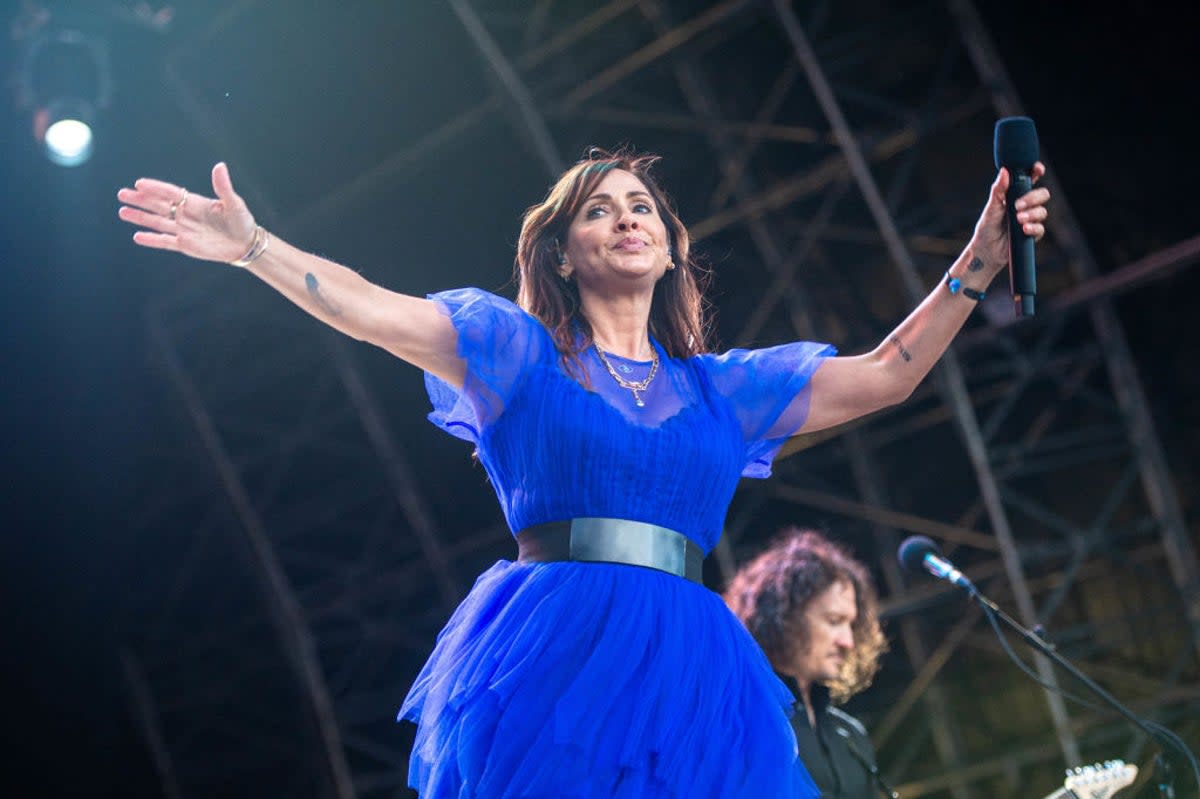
(990,241)
(197,226)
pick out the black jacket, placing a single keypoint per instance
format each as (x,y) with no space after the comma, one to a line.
(838,752)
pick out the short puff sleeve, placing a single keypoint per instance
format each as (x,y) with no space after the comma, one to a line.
(498,342)
(769,392)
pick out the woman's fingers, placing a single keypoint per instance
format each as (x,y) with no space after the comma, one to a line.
(155,199)
(1034,230)
(223,184)
(1038,196)
(136,216)
(1036,214)
(1035,204)
(1032,212)
(156,195)
(1000,186)
(157,241)
(158,188)
(1031,221)
(165,201)
(144,200)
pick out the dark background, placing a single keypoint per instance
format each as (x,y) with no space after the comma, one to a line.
(1112,90)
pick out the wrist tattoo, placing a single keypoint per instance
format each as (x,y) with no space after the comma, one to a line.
(904,353)
(314,291)
(975,265)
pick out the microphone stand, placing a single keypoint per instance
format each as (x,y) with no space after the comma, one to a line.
(1163,774)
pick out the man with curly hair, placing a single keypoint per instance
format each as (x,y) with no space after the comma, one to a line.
(813,609)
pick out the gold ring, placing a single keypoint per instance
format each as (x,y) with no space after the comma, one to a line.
(175,206)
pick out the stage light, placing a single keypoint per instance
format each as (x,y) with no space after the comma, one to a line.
(69,142)
(65,80)
(65,130)
(63,69)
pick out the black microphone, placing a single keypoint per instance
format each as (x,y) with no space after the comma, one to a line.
(919,553)
(1015,147)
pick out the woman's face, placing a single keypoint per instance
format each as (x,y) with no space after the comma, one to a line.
(617,238)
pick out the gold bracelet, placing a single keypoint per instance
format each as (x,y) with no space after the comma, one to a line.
(257,247)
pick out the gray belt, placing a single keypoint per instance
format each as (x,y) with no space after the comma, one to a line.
(613,541)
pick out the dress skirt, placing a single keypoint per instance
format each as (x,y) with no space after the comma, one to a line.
(599,681)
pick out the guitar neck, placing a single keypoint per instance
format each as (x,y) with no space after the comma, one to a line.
(1098,781)
(1062,793)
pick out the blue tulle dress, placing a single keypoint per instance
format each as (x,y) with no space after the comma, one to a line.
(601,681)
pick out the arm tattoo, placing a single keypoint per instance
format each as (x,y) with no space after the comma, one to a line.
(314,290)
(975,265)
(904,353)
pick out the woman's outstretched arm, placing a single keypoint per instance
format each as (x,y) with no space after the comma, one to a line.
(847,388)
(224,230)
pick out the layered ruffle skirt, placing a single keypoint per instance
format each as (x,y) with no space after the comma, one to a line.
(598,681)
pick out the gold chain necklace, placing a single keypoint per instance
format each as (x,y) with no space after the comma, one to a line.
(637,387)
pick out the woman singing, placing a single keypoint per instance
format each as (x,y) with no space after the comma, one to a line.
(597,665)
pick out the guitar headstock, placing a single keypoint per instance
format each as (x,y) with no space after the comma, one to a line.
(1100,780)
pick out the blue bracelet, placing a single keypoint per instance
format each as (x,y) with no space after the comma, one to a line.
(955,285)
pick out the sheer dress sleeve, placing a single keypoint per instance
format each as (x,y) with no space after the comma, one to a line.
(498,341)
(769,392)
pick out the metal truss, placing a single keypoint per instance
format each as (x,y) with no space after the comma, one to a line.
(306,548)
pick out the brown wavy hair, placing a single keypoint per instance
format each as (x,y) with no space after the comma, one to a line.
(679,314)
(771,592)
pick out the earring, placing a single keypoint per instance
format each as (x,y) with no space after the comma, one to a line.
(670,265)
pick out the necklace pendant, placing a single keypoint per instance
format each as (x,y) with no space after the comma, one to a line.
(635,388)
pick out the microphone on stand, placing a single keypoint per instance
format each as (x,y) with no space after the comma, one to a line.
(919,553)
(1015,147)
